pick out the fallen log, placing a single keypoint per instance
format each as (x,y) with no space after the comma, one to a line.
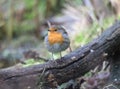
(72,65)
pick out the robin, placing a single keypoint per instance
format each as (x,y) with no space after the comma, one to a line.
(57,39)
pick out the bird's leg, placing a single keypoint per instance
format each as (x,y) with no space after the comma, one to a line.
(60,54)
(70,49)
(53,59)
(52,56)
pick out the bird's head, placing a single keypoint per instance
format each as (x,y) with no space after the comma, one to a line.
(55,28)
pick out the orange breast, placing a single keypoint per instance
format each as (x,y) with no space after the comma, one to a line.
(55,37)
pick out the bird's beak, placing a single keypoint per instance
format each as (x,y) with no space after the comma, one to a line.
(49,24)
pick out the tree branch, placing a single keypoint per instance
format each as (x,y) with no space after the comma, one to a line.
(73,65)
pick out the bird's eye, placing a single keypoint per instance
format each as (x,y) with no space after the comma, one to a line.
(55,29)
(48,30)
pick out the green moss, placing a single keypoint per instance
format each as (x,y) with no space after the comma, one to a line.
(30,62)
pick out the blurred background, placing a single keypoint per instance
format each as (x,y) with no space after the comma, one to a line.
(23,25)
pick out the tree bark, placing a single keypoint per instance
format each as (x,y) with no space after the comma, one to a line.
(114,78)
(72,65)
